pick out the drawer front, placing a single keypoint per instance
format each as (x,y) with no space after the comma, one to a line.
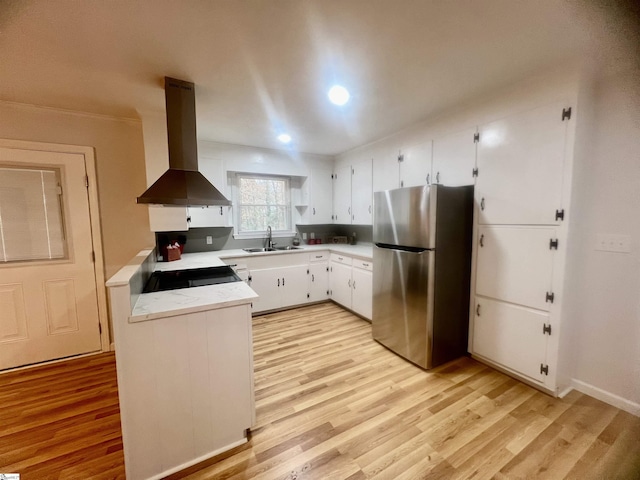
(363,264)
(319,256)
(335,257)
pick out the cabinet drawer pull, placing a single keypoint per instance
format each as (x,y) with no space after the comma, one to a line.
(365,264)
(482,240)
(313,279)
(478,310)
(278,282)
(283,282)
(349,283)
(314,211)
(428,179)
(438,177)
(369,208)
(482,204)
(354,284)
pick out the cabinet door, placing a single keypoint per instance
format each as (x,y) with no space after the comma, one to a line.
(293,285)
(318,281)
(386,173)
(361,193)
(415,167)
(362,295)
(342,195)
(168,219)
(454,157)
(520,168)
(515,264)
(511,336)
(340,279)
(320,194)
(266,283)
(208,216)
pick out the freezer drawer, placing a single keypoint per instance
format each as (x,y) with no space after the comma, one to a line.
(403,302)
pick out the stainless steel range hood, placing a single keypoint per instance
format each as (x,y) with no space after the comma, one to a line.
(182,184)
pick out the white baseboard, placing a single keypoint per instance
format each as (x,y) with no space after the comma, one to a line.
(607,397)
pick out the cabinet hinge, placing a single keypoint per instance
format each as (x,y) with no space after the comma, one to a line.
(100,328)
(476,137)
(559,214)
(549,297)
(86,181)
(544,369)
(553,244)
(353,171)
(566,114)
(189,219)
(401,158)
(401,183)
(474,172)
(546,328)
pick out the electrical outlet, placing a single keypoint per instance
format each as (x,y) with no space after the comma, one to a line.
(304,235)
(209,240)
(607,242)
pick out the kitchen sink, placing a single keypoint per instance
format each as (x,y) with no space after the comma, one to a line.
(287,247)
(258,250)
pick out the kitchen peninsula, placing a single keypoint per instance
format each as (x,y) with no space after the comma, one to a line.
(185,361)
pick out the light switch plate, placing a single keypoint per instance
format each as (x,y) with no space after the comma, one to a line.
(607,242)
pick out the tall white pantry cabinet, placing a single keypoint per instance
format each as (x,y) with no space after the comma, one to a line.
(522,193)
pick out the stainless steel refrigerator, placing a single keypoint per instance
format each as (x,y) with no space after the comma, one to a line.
(422,271)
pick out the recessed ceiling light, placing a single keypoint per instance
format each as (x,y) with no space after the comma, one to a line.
(338,95)
(284,138)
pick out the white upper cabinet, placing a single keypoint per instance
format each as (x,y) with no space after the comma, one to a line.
(361,193)
(353,193)
(454,158)
(386,175)
(320,206)
(208,216)
(342,194)
(415,165)
(520,167)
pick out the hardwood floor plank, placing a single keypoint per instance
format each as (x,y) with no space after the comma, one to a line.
(331,404)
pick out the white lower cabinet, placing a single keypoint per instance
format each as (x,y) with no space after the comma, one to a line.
(351,283)
(318,280)
(279,287)
(511,336)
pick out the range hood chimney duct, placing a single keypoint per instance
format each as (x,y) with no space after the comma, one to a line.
(182,184)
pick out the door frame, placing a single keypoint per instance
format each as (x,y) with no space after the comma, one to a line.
(94,220)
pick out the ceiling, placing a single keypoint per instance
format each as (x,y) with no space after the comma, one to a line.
(264,66)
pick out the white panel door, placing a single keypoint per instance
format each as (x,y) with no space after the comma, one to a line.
(520,167)
(454,157)
(362,193)
(515,264)
(511,336)
(342,195)
(415,167)
(318,281)
(48,297)
(266,283)
(340,279)
(362,295)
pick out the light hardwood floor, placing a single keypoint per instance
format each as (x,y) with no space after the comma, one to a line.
(332,404)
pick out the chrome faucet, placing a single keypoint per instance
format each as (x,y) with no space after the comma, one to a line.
(269,240)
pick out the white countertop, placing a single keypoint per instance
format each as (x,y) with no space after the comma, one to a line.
(150,306)
(190,300)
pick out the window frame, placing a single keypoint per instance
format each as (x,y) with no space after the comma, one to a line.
(252,234)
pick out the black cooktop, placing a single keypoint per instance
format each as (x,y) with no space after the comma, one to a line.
(196,277)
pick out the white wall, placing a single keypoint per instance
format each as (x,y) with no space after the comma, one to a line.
(600,342)
(603,312)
